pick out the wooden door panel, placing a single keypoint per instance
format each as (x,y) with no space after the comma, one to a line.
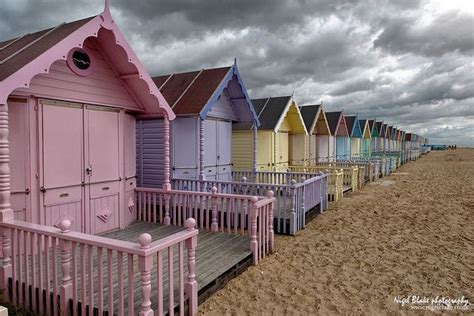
(224,143)
(185,146)
(103,144)
(104,207)
(129,135)
(210,143)
(19,158)
(62,146)
(64,203)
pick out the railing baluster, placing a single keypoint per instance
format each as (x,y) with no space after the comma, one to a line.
(20,255)
(159,280)
(33,267)
(14,273)
(130,279)
(120,282)
(90,257)
(83,278)
(100,282)
(181,278)
(54,263)
(26,244)
(170,281)
(110,272)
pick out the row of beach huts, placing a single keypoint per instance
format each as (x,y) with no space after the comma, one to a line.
(126,194)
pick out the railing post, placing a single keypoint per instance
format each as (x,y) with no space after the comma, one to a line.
(6,212)
(254,148)
(303,203)
(6,268)
(145,264)
(293,208)
(166,143)
(254,247)
(191,283)
(271,233)
(65,246)
(214,224)
(243,187)
(167,219)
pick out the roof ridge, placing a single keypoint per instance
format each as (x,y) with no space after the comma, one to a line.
(30,44)
(187,88)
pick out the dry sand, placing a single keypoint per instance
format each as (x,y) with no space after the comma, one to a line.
(411,233)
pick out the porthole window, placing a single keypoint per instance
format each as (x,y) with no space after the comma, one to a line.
(80,62)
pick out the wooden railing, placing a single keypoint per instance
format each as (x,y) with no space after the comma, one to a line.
(216,212)
(350,174)
(364,169)
(56,271)
(294,194)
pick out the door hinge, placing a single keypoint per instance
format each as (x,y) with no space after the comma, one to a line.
(42,189)
(27,191)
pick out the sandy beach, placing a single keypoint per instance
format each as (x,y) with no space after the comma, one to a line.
(411,233)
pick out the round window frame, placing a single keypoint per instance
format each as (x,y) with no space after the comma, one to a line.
(78,71)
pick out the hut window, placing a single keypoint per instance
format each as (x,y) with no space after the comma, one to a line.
(80,62)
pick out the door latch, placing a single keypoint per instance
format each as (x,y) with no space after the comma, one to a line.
(89,171)
(42,189)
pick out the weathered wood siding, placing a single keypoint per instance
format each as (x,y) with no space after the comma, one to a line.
(223,109)
(298,149)
(242,150)
(150,153)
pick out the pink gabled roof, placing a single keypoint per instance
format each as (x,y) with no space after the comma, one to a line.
(25,57)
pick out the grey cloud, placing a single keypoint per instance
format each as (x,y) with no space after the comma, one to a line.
(452,31)
(367,57)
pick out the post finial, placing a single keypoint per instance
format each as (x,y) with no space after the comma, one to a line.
(254,199)
(190,223)
(270,194)
(214,190)
(293,182)
(65,225)
(144,240)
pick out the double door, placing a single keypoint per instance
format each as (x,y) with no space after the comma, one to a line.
(80,159)
(217,149)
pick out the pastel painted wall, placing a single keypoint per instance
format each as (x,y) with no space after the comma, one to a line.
(242,150)
(355,147)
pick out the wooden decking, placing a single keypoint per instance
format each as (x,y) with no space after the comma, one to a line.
(219,258)
(218,255)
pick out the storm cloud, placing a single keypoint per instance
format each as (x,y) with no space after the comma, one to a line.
(407,62)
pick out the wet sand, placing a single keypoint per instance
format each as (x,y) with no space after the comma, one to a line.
(411,233)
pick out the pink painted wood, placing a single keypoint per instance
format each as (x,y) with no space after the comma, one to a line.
(213,209)
(57,248)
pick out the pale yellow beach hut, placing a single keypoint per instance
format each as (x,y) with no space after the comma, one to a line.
(280,139)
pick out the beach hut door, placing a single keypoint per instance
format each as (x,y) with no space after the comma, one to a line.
(63,152)
(80,166)
(102,169)
(19,162)
(224,150)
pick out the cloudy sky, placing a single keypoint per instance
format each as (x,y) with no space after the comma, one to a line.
(407,62)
